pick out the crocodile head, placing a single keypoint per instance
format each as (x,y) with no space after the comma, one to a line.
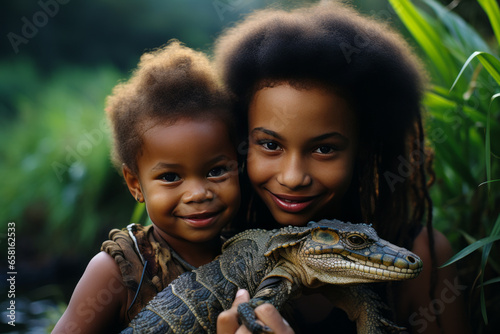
(334,252)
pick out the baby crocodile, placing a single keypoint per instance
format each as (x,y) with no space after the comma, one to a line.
(274,266)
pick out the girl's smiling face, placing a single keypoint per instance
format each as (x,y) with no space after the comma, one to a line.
(187,175)
(302,149)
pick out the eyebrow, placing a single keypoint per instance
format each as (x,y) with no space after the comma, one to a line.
(315,139)
(219,158)
(267,131)
(330,135)
(163,165)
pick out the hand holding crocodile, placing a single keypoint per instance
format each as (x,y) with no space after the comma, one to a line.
(227,322)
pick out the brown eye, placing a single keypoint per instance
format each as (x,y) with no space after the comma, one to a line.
(271,146)
(356,240)
(170,177)
(217,171)
(325,149)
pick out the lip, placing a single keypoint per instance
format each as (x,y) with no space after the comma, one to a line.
(292,203)
(200,219)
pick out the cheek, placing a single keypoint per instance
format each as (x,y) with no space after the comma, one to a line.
(259,168)
(228,191)
(337,179)
(160,202)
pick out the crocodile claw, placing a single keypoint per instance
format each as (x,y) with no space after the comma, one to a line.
(248,318)
(391,327)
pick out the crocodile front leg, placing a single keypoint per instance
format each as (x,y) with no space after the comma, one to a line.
(363,306)
(273,290)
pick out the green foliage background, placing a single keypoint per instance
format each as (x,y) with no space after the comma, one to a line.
(463,129)
(58,185)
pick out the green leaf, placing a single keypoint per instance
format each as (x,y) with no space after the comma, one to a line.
(490,63)
(471,248)
(139,210)
(426,36)
(440,104)
(487,145)
(484,260)
(483,302)
(496,228)
(487,182)
(493,11)
(470,239)
(464,37)
(491,281)
(495,97)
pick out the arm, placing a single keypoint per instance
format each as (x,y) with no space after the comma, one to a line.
(227,322)
(416,309)
(98,304)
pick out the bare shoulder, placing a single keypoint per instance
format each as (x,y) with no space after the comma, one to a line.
(99,300)
(433,302)
(442,247)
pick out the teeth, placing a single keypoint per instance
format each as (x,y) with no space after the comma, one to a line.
(290,201)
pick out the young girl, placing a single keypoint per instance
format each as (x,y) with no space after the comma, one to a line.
(332,104)
(174,143)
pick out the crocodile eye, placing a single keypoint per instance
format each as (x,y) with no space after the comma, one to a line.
(356,240)
(325,237)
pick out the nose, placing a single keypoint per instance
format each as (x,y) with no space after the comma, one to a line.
(293,172)
(197,191)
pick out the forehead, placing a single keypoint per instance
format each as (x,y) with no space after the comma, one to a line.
(198,137)
(309,109)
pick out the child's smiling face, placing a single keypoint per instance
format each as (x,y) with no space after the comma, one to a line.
(302,149)
(188,178)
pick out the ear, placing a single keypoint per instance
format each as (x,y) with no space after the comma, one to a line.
(133,183)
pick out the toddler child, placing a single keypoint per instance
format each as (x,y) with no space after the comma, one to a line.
(173,141)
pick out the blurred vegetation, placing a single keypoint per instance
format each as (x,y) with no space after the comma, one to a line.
(60,189)
(55,156)
(464,129)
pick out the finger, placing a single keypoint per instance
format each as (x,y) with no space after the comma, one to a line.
(269,315)
(227,321)
(243,330)
(242,296)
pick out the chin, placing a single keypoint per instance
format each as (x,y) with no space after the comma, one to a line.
(287,219)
